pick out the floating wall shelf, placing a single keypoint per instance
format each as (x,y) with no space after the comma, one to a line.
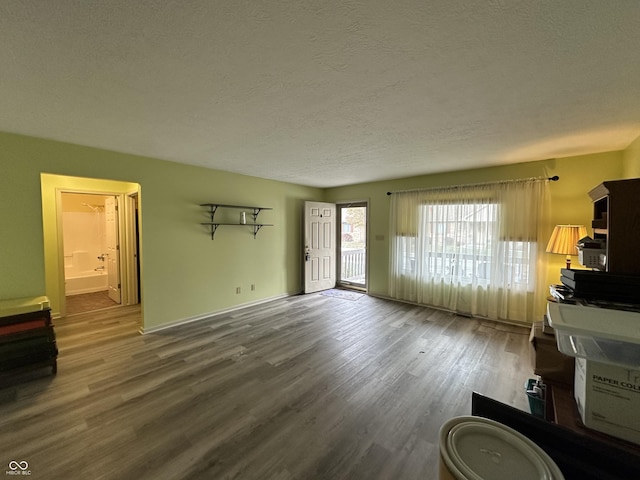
(253,212)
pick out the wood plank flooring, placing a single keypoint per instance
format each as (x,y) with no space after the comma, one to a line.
(307,387)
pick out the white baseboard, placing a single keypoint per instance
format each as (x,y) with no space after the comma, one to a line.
(210,315)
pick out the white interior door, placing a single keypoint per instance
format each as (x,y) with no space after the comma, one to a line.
(113,247)
(319,246)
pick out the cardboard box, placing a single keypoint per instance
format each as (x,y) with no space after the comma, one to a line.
(608,398)
(546,360)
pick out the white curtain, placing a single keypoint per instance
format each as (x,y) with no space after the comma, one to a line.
(469,249)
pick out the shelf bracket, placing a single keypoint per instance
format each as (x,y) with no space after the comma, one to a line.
(256,212)
(212,212)
(255,230)
(214,227)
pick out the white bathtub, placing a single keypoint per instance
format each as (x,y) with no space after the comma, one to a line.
(86,282)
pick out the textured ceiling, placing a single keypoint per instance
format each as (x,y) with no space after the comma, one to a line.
(325,93)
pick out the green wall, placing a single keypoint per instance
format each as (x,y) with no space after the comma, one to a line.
(568,202)
(632,160)
(185,273)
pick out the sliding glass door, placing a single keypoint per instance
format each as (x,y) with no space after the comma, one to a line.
(352,245)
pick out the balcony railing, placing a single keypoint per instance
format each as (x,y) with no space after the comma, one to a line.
(467,267)
(353,265)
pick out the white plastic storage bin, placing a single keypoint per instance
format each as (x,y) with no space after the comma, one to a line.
(598,334)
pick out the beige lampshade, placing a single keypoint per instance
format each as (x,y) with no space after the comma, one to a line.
(564,239)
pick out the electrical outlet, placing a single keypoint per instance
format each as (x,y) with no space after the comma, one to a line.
(238,290)
(253,287)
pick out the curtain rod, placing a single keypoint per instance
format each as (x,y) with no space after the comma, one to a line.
(555,178)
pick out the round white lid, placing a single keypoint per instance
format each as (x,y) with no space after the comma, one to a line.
(481,449)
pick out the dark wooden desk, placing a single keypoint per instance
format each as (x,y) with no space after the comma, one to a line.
(580,455)
(27,343)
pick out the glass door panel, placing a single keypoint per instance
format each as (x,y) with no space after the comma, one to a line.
(352,264)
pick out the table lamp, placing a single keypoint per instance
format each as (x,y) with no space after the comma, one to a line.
(564,239)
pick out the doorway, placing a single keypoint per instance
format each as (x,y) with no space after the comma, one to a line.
(352,245)
(90,244)
(98,232)
(52,188)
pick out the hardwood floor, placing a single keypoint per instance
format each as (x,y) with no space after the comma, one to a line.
(308,387)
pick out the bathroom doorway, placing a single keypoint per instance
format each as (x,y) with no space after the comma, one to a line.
(90,238)
(129,225)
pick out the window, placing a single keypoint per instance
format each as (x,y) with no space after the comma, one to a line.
(469,250)
(462,242)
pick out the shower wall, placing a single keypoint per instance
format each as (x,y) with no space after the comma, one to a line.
(83,227)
